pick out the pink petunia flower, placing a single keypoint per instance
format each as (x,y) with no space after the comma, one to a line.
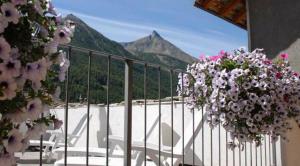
(284,56)
(278,75)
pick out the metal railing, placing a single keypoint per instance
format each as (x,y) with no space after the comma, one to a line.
(267,156)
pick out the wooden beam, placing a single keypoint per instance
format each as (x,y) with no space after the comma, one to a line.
(238,17)
(229,7)
(206,3)
(198,4)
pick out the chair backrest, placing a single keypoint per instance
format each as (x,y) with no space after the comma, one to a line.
(77,132)
(80,125)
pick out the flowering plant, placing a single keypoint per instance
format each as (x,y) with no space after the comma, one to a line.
(31,68)
(245,92)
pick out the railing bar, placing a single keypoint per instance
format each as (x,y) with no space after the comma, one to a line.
(240,158)
(108,108)
(219,144)
(41,150)
(270,155)
(128,112)
(265,144)
(182,90)
(211,146)
(159,114)
(145,113)
(274,153)
(172,127)
(261,163)
(67,108)
(233,156)
(41,146)
(88,109)
(193,111)
(246,154)
(251,153)
(202,114)
(122,58)
(226,148)
(256,155)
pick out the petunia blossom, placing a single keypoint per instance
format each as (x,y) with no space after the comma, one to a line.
(34,108)
(10,12)
(14,141)
(4,49)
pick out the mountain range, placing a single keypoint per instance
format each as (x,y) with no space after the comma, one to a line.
(151,49)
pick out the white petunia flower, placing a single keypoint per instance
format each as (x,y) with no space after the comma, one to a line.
(10,12)
(38,7)
(12,67)
(4,49)
(64,64)
(3,23)
(51,47)
(18,116)
(62,35)
(34,108)
(19,2)
(247,85)
(7,160)
(13,142)
(255,83)
(253,97)
(36,131)
(42,68)
(235,107)
(8,89)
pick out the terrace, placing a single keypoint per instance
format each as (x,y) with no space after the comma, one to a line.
(150,124)
(122,133)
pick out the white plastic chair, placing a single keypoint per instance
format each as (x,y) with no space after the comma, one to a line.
(152,149)
(57,138)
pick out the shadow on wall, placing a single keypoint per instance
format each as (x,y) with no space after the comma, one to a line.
(101,134)
(274,26)
(166,141)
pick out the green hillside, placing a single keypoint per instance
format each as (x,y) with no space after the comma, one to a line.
(87,37)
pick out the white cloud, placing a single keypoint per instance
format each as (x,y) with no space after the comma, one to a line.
(194,43)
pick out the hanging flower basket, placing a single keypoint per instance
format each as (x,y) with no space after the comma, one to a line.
(245,92)
(31,69)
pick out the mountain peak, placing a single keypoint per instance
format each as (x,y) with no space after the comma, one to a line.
(155,34)
(155,44)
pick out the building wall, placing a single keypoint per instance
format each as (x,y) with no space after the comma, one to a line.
(275,26)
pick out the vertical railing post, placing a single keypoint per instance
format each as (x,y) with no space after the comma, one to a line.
(246,154)
(226,140)
(274,153)
(88,109)
(211,146)
(145,113)
(251,154)
(265,144)
(172,116)
(108,108)
(193,121)
(219,144)
(182,97)
(41,146)
(202,134)
(67,108)
(159,114)
(128,112)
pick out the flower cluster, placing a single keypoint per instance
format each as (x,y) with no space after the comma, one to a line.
(245,92)
(31,68)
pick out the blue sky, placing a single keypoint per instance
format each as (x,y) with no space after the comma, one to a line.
(178,21)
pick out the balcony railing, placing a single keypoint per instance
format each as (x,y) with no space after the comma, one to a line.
(198,144)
